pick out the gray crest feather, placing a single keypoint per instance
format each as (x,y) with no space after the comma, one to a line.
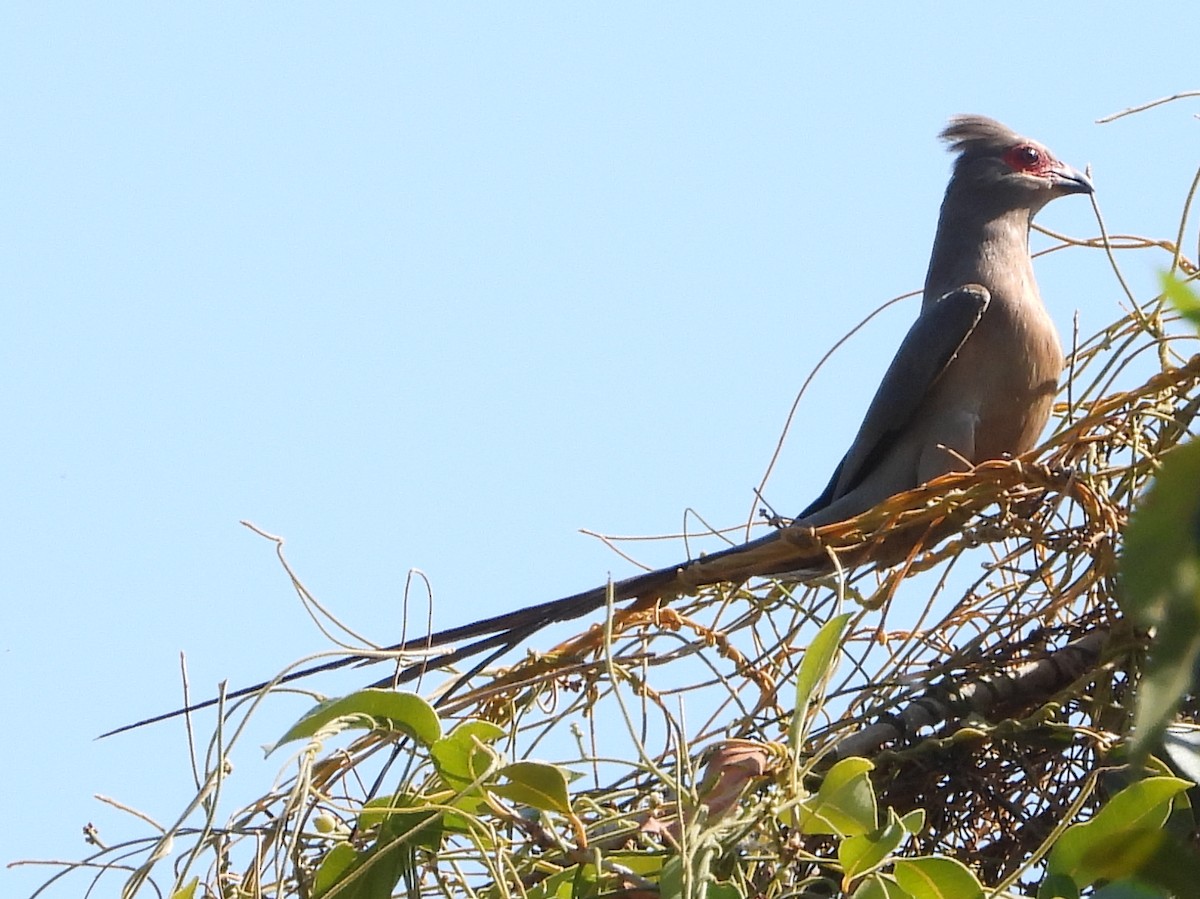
(970,135)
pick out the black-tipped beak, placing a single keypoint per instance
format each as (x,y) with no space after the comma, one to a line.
(1072,181)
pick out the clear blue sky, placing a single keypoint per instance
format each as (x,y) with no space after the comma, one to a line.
(437,285)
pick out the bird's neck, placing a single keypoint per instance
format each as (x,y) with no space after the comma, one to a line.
(980,246)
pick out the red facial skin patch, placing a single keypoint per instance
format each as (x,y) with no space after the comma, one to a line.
(1029,158)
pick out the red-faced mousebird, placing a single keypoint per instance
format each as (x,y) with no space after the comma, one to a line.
(973,380)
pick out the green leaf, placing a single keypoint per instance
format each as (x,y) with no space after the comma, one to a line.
(914,821)
(403,815)
(861,854)
(1160,580)
(1058,886)
(1152,858)
(1182,297)
(844,804)
(936,877)
(645,864)
(188,891)
(535,784)
(1117,855)
(474,729)
(460,758)
(337,861)
(670,885)
(880,886)
(370,709)
(816,665)
(403,827)
(578,880)
(1119,838)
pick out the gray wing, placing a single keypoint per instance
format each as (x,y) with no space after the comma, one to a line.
(930,345)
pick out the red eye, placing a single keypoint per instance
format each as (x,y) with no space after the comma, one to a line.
(1025,158)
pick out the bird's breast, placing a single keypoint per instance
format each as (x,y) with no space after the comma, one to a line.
(1010,365)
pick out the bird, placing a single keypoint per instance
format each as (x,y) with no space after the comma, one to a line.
(973,380)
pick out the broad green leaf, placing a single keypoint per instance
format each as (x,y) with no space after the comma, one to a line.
(467,822)
(645,864)
(844,804)
(1085,852)
(458,756)
(1118,855)
(335,863)
(817,663)
(936,877)
(370,709)
(863,853)
(1160,588)
(474,728)
(188,891)
(535,784)
(373,874)
(880,886)
(1152,857)
(403,815)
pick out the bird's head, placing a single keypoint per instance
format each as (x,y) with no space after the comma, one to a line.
(998,166)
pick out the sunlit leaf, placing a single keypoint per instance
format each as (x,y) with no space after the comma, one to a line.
(861,854)
(403,815)
(814,667)
(880,886)
(1119,837)
(187,891)
(914,821)
(535,784)
(402,827)
(335,863)
(578,880)
(1182,297)
(936,877)
(371,710)
(845,803)
(460,758)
